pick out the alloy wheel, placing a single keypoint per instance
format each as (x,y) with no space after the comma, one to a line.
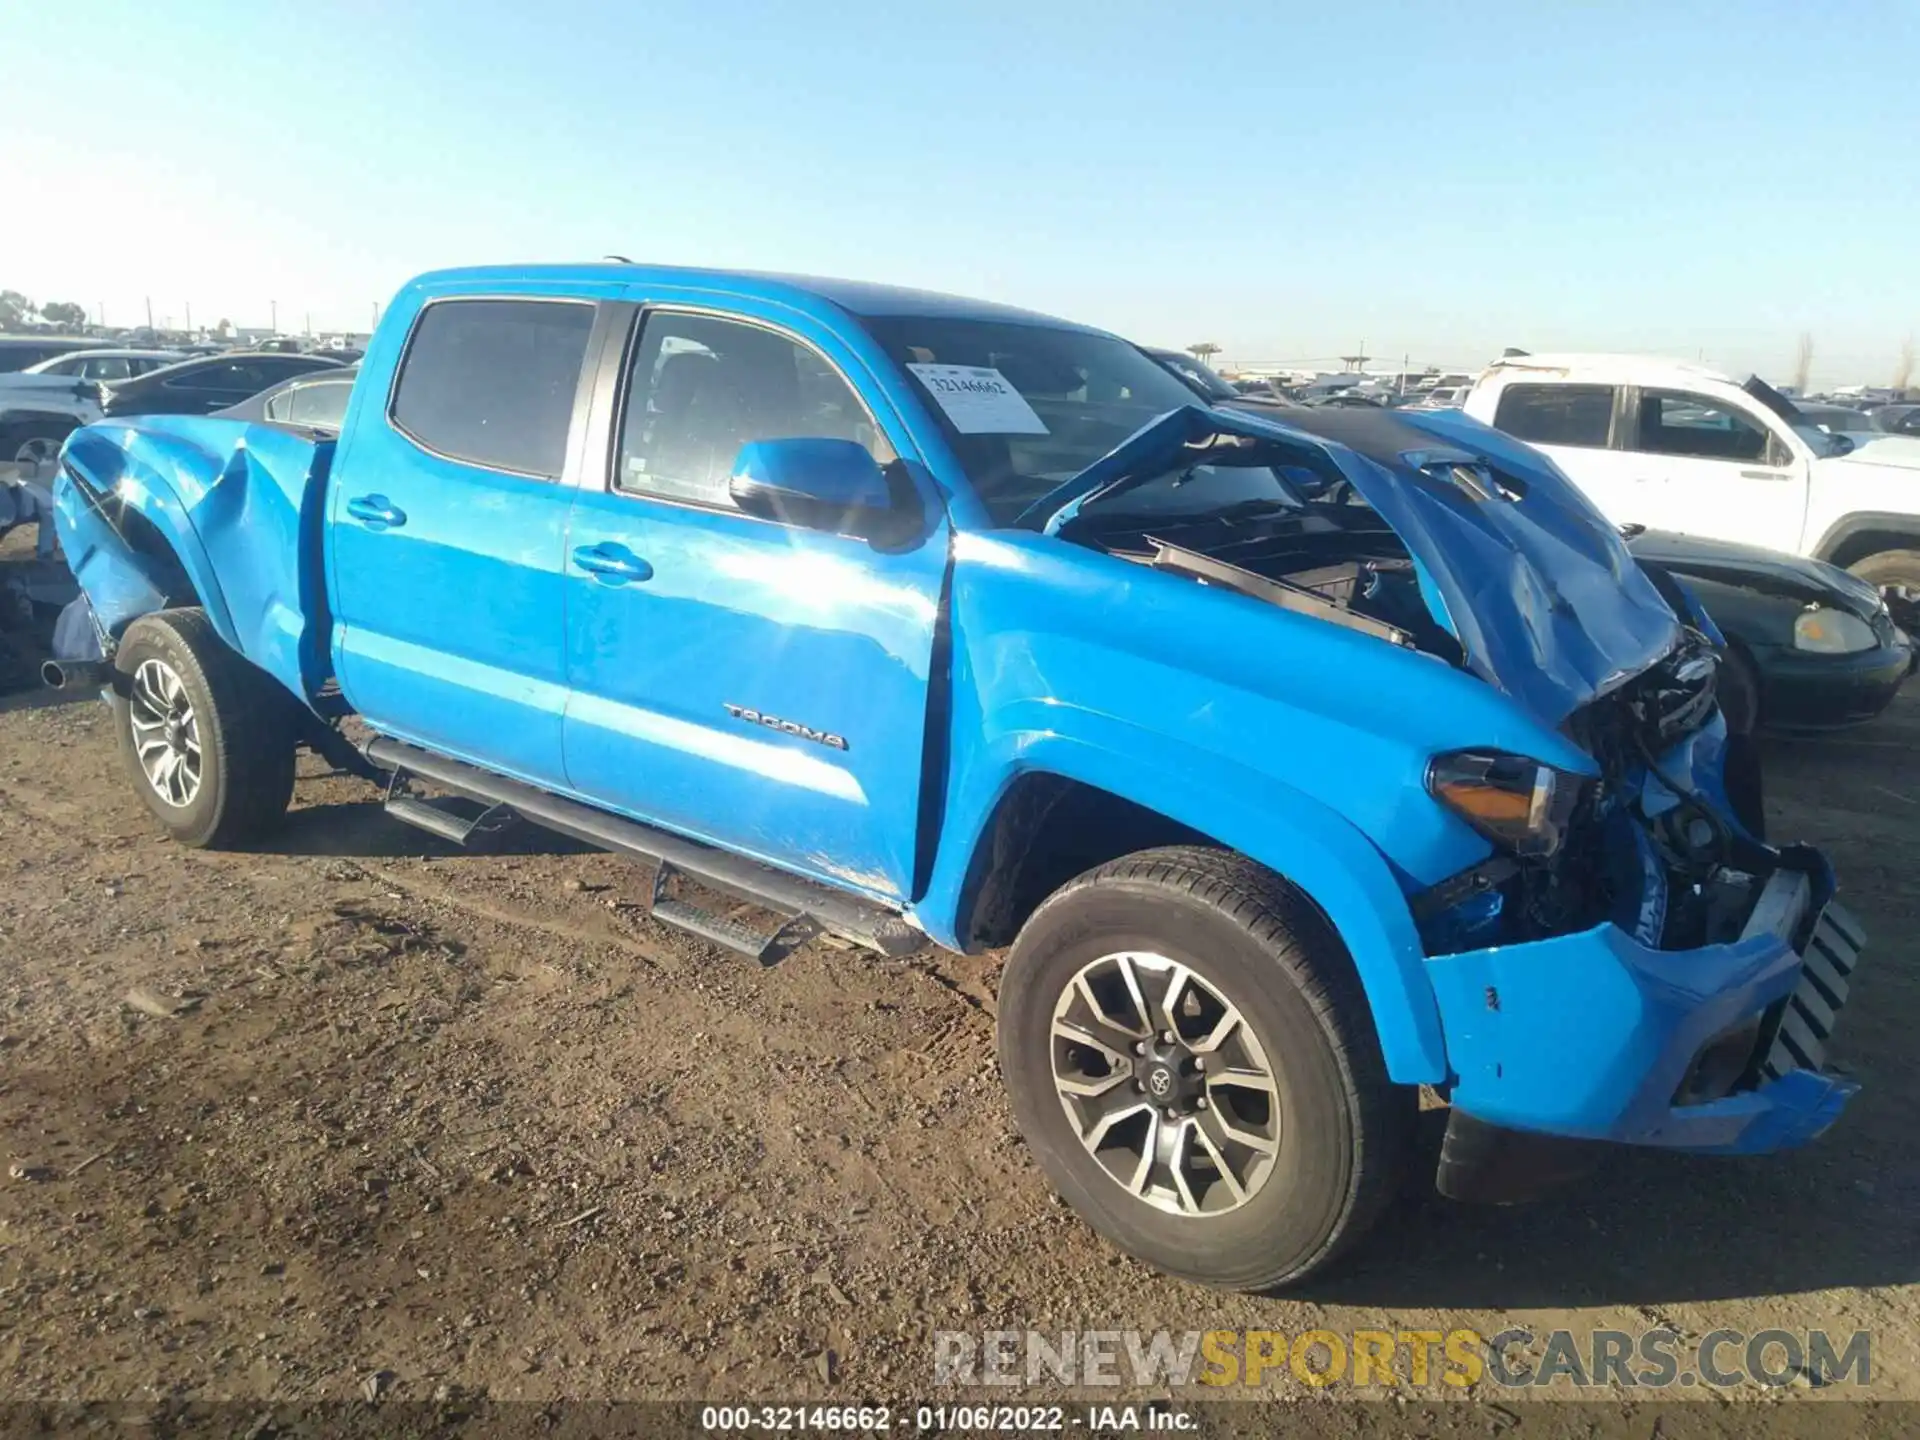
(1165,1084)
(166,732)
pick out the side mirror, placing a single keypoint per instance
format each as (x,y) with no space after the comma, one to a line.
(830,485)
(1842,443)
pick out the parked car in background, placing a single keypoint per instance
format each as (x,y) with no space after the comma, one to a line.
(1680,447)
(1898,419)
(1808,646)
(38,411)
(317,400)
(17,352)
(1837,419)
(107,366)
(198,387)
(909,617)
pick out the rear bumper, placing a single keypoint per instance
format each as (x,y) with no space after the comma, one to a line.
(1821,692)
(1594,1036)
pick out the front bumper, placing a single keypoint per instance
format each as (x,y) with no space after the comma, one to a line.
(1799,691)
(1594,1036)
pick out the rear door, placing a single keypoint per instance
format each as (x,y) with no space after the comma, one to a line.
(1723,471)
(446,532)
(1579,428)
(736,679)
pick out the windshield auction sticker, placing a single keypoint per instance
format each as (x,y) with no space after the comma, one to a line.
(979,400)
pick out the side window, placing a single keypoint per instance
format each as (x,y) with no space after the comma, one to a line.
(492,382)
(1674,422)
(700,388)
(322,404)
(111,367)
(1556,414)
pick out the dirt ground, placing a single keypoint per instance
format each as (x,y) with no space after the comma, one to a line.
(469,1124)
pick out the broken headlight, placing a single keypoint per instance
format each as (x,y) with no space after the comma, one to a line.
(1513,801)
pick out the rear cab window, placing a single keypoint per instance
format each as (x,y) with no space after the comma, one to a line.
(1576,415)
(491,382)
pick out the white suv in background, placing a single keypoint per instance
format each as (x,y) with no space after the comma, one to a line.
(1680,447)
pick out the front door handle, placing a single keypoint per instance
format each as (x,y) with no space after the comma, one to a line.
(613,564)
(377,511)
(1763,475)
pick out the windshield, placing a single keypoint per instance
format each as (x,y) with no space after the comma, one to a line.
(1028,407)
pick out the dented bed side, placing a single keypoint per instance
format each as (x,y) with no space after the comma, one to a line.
(224,514)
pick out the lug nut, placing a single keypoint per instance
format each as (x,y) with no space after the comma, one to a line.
(1199,1064)
(1166,1037)
(1139,1087)
(1139,1047)
(1201,1103)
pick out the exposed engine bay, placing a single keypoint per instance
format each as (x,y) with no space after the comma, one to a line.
(1335,562)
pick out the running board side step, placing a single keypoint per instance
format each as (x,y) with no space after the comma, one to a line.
(804,903)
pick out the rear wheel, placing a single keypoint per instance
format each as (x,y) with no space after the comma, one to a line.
(207,738)
(1193,1063)
(34,444)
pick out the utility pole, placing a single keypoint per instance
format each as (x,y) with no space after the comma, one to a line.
(309,320)
(273,310)
(149,312)
(189,317)
(376,318)
(101,306)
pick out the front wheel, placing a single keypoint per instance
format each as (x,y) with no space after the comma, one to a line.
(1193,1063)
(1896,570)
(207,738)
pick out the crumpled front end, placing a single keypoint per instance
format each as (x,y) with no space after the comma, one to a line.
(1664,979)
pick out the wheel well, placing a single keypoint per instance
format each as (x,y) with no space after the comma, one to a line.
(1046,830)
(1858,545)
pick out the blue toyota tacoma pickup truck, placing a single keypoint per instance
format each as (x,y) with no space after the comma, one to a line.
(1298,770)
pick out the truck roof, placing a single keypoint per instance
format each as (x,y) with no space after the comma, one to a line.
(858,297)
(1603,368)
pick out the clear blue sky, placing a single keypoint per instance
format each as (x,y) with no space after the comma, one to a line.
(1286,180)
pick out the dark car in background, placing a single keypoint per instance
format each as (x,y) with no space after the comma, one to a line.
(1809,647)
(316,400)
(1899,419)
(1837,419)
(199,387)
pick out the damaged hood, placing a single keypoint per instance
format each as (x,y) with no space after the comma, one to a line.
(1535,584)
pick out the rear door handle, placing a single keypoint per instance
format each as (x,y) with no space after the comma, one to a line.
(377,511)
(613,564)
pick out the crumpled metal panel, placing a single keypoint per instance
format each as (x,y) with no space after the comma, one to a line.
(1538,587)
(239,505)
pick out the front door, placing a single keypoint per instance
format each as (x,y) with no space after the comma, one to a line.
(743,681)
(1723,473)
(447,534)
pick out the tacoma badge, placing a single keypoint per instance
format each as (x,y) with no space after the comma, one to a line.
(786,727)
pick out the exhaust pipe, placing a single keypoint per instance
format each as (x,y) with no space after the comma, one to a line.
(77,674)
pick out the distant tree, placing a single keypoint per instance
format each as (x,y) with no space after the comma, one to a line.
(14,308)
(1803,363)
(65,313)
(1204,351)
(224,329)
(1903,372)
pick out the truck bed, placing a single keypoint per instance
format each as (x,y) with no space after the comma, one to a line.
(152,510)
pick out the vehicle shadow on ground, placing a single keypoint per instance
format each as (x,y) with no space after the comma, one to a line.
(1647,1229)
(362,830)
